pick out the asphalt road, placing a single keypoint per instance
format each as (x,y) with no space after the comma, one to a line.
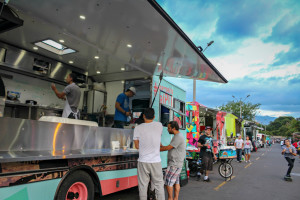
(262,179)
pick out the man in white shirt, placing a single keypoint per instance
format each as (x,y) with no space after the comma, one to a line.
(239,145)
(147,138)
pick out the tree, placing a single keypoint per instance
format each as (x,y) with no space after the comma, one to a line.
(284,126)
(248,109)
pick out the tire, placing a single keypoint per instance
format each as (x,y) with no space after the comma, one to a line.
(193,170)
(78,179)
(229,170)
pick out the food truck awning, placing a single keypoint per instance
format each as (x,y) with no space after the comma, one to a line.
(112,40)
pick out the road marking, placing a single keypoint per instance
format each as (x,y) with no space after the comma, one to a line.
(263,154)
(258,158)
(223,183)
(248,165)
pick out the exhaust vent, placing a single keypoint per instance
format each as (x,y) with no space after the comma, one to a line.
(8,20)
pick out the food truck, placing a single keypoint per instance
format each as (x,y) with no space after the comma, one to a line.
(110,45)
(224,128)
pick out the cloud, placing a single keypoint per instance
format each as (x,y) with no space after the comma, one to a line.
(243,19)
(252,56)
(275,93)
(256,48)
(272,113)
(287,31)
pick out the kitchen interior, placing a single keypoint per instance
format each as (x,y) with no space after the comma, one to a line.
(27,78)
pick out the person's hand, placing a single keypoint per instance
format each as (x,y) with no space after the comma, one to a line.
(291,151)
(127,114)
(53,86)
(283,150)
(215,157)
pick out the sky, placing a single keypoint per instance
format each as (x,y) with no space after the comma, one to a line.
(256,48)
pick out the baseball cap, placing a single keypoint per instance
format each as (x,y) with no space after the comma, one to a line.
(132,89)
(207,127)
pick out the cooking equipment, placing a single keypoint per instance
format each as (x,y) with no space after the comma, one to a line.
(32,102)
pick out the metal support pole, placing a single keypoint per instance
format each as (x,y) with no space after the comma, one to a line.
(240,109)
(194,90)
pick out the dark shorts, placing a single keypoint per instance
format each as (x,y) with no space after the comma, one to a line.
(207,161)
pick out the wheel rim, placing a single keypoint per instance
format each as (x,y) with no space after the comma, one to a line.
(77,191)
(226,170)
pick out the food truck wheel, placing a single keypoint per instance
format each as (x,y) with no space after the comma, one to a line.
(225,170)
(78,185)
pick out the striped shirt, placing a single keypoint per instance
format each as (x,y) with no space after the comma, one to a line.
(149,136)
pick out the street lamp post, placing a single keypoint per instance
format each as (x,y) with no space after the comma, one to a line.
(194,81)
(241,103)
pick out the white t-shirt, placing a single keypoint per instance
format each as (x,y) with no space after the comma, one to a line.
(149,136)
(239,143)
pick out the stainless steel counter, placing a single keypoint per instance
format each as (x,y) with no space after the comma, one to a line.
(27,140)
(27,111)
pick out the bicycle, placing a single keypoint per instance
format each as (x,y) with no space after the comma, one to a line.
(225,168)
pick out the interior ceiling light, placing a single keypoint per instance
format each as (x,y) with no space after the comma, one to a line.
(82,17)
(122,81)
(54,47)
(71,62)
(96,57)
(61,41)
(158,64)
(123,69)
(98,72)
(35,48)
(129,45)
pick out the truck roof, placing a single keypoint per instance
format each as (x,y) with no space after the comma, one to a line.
(120,40)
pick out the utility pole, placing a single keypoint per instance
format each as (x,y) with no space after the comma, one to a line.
(241,103)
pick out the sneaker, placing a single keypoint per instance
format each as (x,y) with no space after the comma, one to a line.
(207,180)
(246,161)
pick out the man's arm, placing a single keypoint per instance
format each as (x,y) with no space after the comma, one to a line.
(166,148)
(60,95)
(119,108)
(136,144)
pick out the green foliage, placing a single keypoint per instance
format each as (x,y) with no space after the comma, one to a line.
(248,109)
(283,126)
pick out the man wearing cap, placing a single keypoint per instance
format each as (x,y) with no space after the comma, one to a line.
(122,108)
(206,151)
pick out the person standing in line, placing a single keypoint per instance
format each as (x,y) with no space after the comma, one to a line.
(176,155)
(206,145)
(71,94)
(239,145)
(122,110)
(147,138)
(247,148)
(289,152)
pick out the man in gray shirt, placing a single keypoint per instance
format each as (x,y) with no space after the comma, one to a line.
(176,155)
(72,95)
(289,152)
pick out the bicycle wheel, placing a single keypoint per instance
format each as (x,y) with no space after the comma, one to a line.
(193,170)
(225,170)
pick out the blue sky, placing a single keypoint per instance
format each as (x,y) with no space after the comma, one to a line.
(256,47)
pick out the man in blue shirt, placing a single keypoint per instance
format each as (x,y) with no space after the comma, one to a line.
(122,108)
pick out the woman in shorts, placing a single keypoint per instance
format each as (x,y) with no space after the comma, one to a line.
(247,149)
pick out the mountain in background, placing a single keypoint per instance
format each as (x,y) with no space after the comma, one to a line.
(265,119)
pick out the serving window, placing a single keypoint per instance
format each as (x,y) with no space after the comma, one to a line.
(171,109)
